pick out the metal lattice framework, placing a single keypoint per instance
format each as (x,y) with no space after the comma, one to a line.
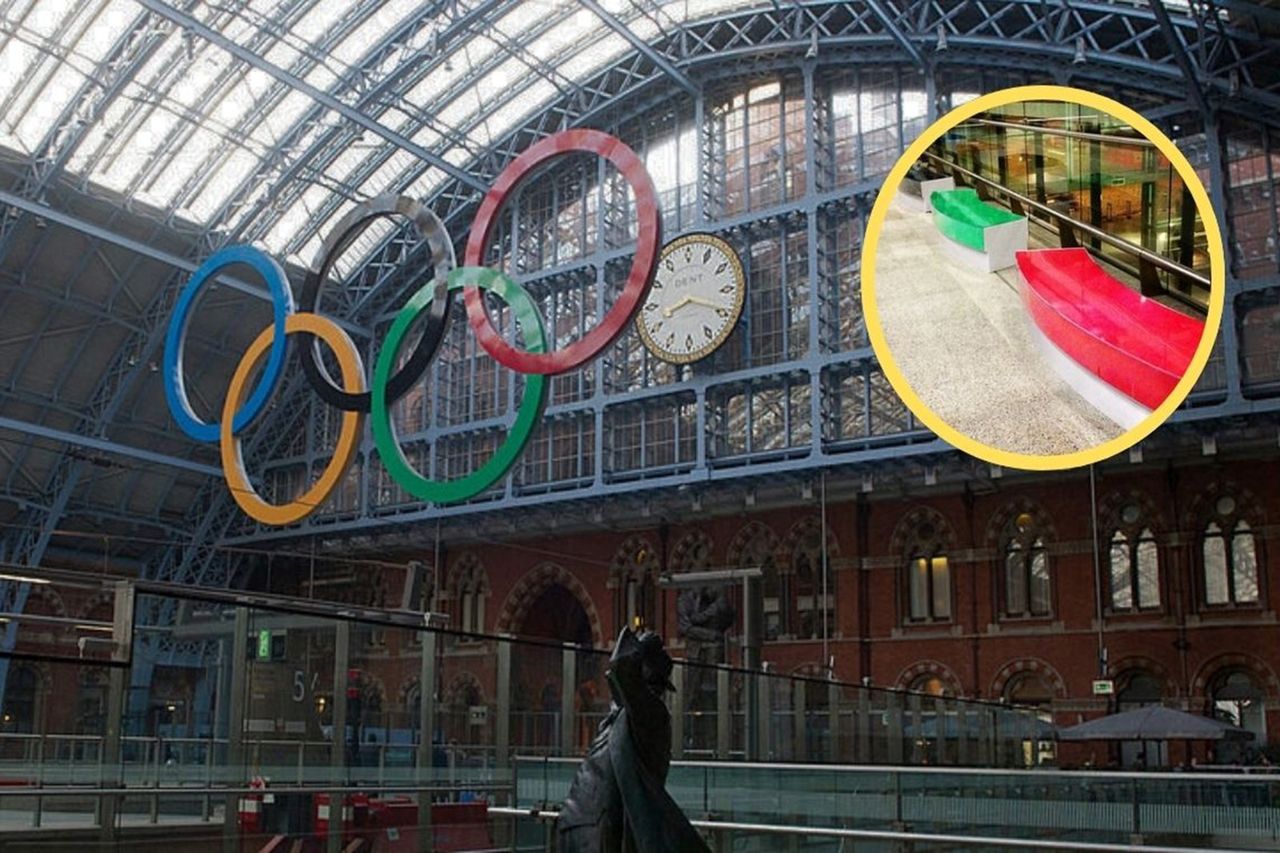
(184,126)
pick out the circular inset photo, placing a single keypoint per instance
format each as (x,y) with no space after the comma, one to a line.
(1042,277)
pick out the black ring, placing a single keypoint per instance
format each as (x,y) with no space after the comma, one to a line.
(351,226)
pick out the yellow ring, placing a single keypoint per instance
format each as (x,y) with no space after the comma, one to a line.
(348,436)
(1217,278)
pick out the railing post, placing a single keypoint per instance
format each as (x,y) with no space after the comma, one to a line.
(426,737)
(235,728)
(863,751)
(833,720)
(568,692)
(1135,830)
(893,710)
(110,755)
(679,675)
(799,710)
(502,726)
(764,703)
(338,756)
(724,716)
(37,815)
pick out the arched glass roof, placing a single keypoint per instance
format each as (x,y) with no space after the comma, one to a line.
(204,137)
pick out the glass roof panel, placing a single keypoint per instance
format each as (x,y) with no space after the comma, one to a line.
(195,127)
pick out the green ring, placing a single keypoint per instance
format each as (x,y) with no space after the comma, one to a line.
(528,416)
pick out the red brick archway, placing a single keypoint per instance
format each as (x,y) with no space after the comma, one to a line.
(531,587)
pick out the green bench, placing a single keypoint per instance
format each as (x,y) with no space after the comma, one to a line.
(980,227)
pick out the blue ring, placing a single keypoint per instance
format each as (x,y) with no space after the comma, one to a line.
(281,306)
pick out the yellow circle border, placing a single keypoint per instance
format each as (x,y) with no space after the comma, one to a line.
(348,444)
(1217,279)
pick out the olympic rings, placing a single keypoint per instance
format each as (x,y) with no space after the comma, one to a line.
(640,277)
(530,412)
(434,298)
(351,226)
(281,307)
(348,435)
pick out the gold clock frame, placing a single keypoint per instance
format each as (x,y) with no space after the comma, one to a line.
(740,297)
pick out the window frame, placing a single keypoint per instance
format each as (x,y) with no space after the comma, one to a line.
(930,557)
(1228,528)
(1134,536)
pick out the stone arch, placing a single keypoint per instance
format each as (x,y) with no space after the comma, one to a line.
(1265,676)
(999,522)
(921,524)
(372,685)
(692,552)
(798,534)
(1132,663)
(1111,513)
(467,570)
(929,667)
(1037,666)
(746,536)
(1204,506)
(51,599)
(407,687)
(635,559)
(460,686)
(94,602)
(533,584)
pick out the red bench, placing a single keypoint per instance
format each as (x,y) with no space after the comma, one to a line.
(1133,343)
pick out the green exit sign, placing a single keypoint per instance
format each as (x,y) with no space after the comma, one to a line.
(264,645)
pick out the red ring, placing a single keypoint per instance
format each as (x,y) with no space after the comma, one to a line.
(642,266)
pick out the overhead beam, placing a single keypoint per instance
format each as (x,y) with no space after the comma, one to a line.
(105,446)
(1180,55)
(681,79)
(912,49)
(190,24)
(107,236)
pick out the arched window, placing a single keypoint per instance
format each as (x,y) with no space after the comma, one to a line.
(1239,701)
(631,575)
(812,607)
(21,696)
(775,595)
(1026,572)
(1230,557)
(929,683)
(926,583)
(1135,570)
(1139,689)
(929,582)
(470,589)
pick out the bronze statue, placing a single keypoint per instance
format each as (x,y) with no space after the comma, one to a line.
(618,802)
(704,615)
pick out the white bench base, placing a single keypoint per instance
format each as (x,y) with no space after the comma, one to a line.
(1117,406)
(1002,241)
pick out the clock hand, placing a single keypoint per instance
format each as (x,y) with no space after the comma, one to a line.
(680,303)
(697,300)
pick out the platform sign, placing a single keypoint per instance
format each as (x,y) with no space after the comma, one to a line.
(1104,687)
(264,645)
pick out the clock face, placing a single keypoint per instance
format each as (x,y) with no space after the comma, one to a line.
(695,300)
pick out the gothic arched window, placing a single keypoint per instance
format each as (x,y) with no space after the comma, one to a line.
(1230,557)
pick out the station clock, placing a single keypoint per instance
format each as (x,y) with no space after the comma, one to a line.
(695,301)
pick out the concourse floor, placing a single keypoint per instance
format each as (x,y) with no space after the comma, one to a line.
(967,347)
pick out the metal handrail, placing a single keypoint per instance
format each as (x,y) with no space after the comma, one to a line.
(551,815)
(1110,239)
(1036,775)
(1141,142)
